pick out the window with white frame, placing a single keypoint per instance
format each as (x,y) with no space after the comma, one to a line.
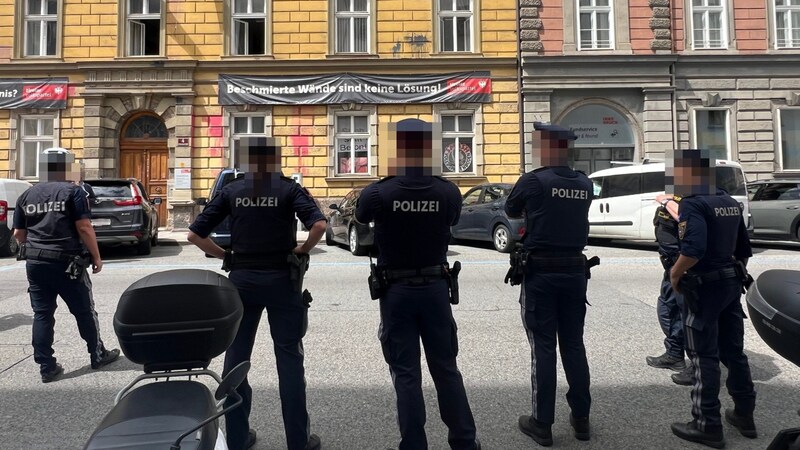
(41,27)
(709,24)
(711,132)
(36,134)
(352,144)
(352,26)
(456,24)
(458,142)
(595,19)
(248,25)
(143,25)
(787,23)
(242,125)
(789,138)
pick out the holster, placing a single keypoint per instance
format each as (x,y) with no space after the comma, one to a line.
(21,253)
(667,261)
(298,265)
(518,259)
(78,265)
(226,260)
(452,281)
(747,279)
(307,298)
(690,287)
(377,282)
(591,262)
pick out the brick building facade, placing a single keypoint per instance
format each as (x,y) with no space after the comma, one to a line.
(141,87)
(638,77)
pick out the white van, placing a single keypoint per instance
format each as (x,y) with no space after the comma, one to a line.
(10,190)
(625,198)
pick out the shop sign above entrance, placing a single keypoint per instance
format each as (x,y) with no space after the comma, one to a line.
(464,87)
(42,93)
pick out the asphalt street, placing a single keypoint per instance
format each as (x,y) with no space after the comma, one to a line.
(351,400)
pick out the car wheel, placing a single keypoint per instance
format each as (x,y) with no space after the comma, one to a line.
(355,247)
(501,239)
(145,247)
(10,248)
(329,237)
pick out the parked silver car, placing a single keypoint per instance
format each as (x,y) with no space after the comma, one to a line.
(775,209)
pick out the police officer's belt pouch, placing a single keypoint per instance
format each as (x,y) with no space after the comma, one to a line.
(376,281)
(177,319)
(22,253)
(517,260)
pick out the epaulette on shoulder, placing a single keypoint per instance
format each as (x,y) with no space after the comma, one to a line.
(580,172)
(384,179)
(676,198)
(539,169)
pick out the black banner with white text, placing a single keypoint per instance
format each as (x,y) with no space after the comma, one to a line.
(464,87)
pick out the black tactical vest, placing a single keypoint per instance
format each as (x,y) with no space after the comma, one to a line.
(560,219)
(48,209)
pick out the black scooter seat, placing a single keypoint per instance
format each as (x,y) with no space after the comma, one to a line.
(154,415)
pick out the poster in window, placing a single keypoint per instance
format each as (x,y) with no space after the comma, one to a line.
(465,157)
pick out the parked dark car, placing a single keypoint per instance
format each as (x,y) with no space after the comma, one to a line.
(343,228)
(221,235)
(483,217)
(123,214)
(775,209)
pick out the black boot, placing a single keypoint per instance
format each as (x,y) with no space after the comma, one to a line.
(106,358)
(666,361)
(581,427)
(689,432)
(52,374)
(251,438)
(540,432)
(744,424)
(314,442)
(685,377)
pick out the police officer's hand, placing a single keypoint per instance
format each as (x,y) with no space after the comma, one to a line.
(675,279)
(97,266)
(299,250)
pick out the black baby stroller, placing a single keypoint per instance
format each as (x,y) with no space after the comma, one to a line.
(173,323)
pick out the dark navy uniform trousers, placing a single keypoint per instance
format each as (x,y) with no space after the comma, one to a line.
(288,321)
(669,317)
(47,281)
(554,307)
(408,313)
(714,335)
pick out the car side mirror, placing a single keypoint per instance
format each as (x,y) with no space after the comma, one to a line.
(334,207)
(202,201)
(156,200)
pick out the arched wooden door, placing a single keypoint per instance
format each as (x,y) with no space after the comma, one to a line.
(144,155)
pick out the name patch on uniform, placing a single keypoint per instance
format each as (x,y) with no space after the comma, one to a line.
(41,208)
(578,194)
(728,211)
(415,206)
(681,229)
(256,202)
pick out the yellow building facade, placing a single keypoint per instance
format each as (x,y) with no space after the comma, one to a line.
(133,88)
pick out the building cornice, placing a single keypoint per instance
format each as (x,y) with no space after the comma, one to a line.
(593,71)
(419,65)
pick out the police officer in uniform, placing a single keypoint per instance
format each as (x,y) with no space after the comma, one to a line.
(413,212)
(714,248)
(669,314)
(262,207)
(53,222)
(556,202)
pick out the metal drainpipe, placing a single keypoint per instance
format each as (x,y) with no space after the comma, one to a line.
(675,142)
(520,97)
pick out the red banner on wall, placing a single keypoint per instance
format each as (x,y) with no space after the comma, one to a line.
(41,93)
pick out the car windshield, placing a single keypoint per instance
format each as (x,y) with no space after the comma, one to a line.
(112,191)
(731,180)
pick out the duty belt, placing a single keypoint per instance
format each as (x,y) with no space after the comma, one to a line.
(557,264)
(39,254)
(719,274)
(258,261)
(421,274)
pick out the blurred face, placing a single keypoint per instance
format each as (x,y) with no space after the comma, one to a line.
(689,173)
(59,168)
(550,149)
(412,152)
